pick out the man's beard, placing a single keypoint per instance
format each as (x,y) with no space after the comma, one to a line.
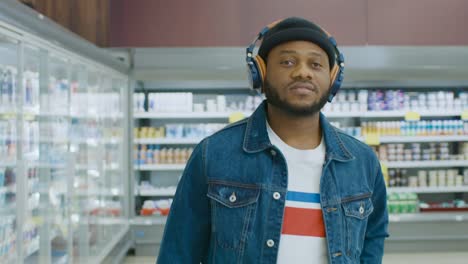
(273,98)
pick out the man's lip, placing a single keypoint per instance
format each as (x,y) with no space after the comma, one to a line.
(304,86)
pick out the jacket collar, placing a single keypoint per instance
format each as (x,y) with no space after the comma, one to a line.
(256,136)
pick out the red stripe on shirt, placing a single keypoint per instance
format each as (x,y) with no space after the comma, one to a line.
(303,222)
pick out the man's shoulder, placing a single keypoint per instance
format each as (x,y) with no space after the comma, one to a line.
(357,146)
(230,131)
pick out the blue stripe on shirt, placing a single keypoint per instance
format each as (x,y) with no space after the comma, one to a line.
(303,197)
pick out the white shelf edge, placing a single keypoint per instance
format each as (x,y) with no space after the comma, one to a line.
(371,114)
(148,220)
(429,217)
(98,193)
(427,189)
(426,164)
(220,115)
(156,193)
(409,139)
(167,141)
(160,167)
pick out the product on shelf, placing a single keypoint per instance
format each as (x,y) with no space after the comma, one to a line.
(418,152)
(186,103)
(425,178)
(146,188)
(179,131)
(31,89)
(8,75)
(397,100)
(156,207)
(95,104)
(7,140)
(7,239)
(453,206)
(416,128)
(402,203)
(154,154)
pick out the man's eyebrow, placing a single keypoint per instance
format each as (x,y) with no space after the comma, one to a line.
(314,53)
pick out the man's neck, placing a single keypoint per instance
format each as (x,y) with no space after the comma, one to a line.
(300,132)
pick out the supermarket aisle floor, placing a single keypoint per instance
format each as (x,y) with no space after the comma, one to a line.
(420,258)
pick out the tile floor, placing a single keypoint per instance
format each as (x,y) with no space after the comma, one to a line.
(426,258)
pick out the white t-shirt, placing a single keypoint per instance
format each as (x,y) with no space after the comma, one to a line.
(303,234)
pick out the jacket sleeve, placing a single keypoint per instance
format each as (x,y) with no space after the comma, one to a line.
(187,231)
(377,224)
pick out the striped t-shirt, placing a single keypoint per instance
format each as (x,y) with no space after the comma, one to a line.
(303,233)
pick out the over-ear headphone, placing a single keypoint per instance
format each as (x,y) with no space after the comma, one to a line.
(256,66)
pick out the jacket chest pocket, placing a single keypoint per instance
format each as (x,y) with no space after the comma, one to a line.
(356,210)
(233,212)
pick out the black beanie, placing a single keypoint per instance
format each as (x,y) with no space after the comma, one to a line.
(296,28)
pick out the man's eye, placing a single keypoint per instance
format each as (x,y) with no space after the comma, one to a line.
(287,62)
(316,65)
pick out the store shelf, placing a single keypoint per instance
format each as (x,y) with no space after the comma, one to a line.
(110,167)
(160,167)
(170,192)
(8,189)
(53,114)
(54,140)
(410,139)
(427,189)
(97,192)
(388,114)
(429,217)
(427,164)
(188,115)
(7,164)
(96,142)
(148,220)
(43,165)
(98,116)
(102,220)
(167,141)
(109,246)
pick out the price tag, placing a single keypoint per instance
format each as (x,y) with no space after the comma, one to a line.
(372,139)
(464,115)
(236,116)
(29,117)
(384,167)
(8,116)
(412,116)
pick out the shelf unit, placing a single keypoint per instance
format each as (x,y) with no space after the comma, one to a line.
(427,164)
(52,73)
(451,189)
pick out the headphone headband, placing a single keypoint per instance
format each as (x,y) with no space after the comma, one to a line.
(256,67)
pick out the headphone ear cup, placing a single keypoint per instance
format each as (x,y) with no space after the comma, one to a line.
(337,76)
(261,65)
(253,74)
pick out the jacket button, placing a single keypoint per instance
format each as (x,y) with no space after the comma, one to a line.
(276,195)
(270,243)
(232,198)
(361,210)
(273,152)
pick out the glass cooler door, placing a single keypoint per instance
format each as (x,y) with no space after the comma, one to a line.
(9,53)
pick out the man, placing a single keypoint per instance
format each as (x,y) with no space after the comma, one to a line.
(282,186)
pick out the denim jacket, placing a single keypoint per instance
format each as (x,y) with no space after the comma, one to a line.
(224,210)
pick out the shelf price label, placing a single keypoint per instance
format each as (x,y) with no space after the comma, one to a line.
(464,115)
(372,139)
(384,167)
(236,116)
(412,116)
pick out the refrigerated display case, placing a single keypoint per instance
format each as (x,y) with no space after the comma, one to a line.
(63,150)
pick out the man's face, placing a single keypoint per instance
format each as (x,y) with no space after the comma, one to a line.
(298,78)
